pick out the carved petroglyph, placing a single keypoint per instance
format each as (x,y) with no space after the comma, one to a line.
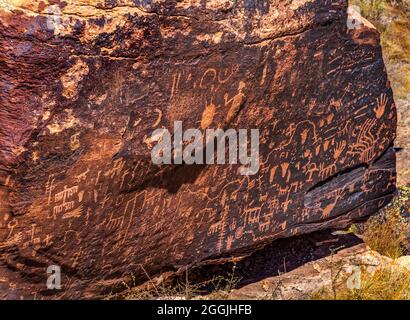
(235,102)
(86,194)
(381,106)
(365,143)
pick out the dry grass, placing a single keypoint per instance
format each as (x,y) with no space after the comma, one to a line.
(387,232)
(383,284)
(218,288)
(387,237)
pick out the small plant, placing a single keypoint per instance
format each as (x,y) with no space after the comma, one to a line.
(222,286)
(218,288)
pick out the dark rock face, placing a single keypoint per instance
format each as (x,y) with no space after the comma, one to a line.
(84,86)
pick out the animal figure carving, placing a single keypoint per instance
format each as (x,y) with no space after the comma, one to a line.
(82,102)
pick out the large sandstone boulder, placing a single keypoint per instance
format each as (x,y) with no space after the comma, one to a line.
(84,83)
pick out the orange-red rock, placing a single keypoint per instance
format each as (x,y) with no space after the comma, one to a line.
(85,83)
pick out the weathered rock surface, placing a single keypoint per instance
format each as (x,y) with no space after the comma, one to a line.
(85,83)
(403,142)
(338,270)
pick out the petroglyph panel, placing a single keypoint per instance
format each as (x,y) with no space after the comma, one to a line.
(81,95)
